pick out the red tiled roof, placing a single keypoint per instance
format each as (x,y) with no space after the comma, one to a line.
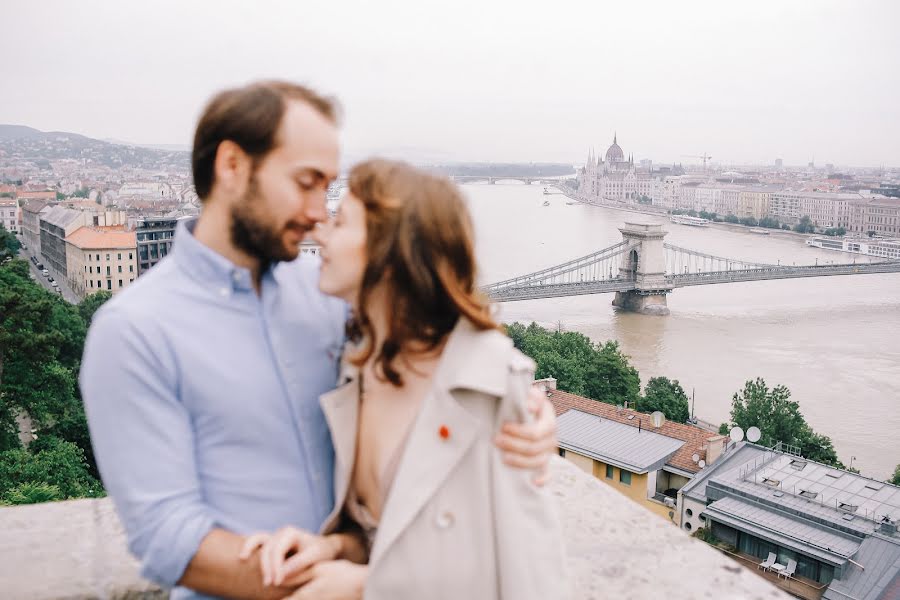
(695,438)
(89,238)
(47,194)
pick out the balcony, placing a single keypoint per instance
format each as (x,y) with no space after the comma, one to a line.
(616,549)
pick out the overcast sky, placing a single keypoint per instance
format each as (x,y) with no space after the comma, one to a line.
(492,80)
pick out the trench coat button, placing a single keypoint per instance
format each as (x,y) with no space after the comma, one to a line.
(445,520)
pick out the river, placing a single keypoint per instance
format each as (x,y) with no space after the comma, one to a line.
(834,341)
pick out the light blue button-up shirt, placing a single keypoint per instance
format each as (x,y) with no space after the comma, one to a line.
(202,401)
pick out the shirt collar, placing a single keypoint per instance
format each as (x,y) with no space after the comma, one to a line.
(205,264)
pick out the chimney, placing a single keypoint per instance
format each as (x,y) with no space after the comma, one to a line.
(888,527)
(715,446)
(548,383)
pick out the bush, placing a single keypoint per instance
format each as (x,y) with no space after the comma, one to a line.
(32,493)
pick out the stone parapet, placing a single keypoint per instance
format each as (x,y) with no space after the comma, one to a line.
(616,549)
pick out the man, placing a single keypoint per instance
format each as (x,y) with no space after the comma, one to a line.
(201,381)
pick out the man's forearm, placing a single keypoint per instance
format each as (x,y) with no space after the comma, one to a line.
(217,570)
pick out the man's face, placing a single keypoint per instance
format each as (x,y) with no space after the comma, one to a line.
(285,196)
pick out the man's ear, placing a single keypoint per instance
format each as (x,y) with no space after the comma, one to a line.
(231,168)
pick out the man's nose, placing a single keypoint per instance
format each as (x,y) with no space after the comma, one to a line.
(315,209)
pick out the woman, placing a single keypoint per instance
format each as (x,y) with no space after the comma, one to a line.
(426,384)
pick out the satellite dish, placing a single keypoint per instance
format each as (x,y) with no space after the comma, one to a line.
(657,418)
(736,435)
(701,464)
(753,434)
(695,457)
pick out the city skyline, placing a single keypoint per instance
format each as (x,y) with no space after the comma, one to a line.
(503,82)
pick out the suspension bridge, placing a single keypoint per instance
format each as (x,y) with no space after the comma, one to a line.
(642,270)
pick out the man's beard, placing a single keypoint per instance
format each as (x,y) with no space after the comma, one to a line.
(253,234)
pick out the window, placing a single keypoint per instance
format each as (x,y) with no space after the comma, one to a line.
(625,476)
(562,452)
(131,280)
(609,472)
(689,512)
(131,268)
(688,526)
(107,256)
(98,257)
(109,284)
(120,256)
(120,283)
(108,270)
(120,268)
(92,283)
(130,256)
(99,285)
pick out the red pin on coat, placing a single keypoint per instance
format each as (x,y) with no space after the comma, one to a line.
(444,432)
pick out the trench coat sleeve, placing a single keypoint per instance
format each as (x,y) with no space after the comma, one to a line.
(528,535)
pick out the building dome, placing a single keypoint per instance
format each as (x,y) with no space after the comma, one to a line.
(615,154)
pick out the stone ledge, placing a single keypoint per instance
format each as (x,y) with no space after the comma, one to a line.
(616,549)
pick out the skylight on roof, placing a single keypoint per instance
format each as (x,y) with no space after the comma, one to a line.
(874,486)
(850,508)
(798,464)
(833,475)
(809,494)
(772,482)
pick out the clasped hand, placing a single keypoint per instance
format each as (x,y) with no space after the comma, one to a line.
(293,557)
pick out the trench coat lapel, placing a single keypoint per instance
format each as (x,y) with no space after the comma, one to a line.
(470,360)
(427,461)
(341,408)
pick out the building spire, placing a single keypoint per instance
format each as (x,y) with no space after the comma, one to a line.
(615,135)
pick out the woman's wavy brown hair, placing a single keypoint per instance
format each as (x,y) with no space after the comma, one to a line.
(420,248)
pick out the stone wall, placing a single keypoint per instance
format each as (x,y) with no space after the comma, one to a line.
(616,549)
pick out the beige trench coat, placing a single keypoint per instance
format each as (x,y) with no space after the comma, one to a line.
(458,524)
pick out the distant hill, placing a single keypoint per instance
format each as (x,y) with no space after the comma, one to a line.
(21,132)
(38,147)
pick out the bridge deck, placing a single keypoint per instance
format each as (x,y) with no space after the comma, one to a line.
(538,291)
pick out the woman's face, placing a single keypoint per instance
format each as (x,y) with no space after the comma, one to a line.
(343,241)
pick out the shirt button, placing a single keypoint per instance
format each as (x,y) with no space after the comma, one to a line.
(445,520)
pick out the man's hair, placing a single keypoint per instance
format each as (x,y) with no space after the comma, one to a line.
(250,117)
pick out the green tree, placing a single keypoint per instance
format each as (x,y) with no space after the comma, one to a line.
(91,304)
(779,420)
(611,378)
(666,396)
(732,219)
(597,371)
(805,225)
(9,245)
(41,341)
(53,462)
(896,478)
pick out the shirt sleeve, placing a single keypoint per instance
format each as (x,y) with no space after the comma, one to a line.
(144,443)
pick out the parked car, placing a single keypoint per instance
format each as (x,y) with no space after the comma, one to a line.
(45,272)
(40,266)
(51,280)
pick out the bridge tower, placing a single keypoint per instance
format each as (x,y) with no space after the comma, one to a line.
(645,265)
